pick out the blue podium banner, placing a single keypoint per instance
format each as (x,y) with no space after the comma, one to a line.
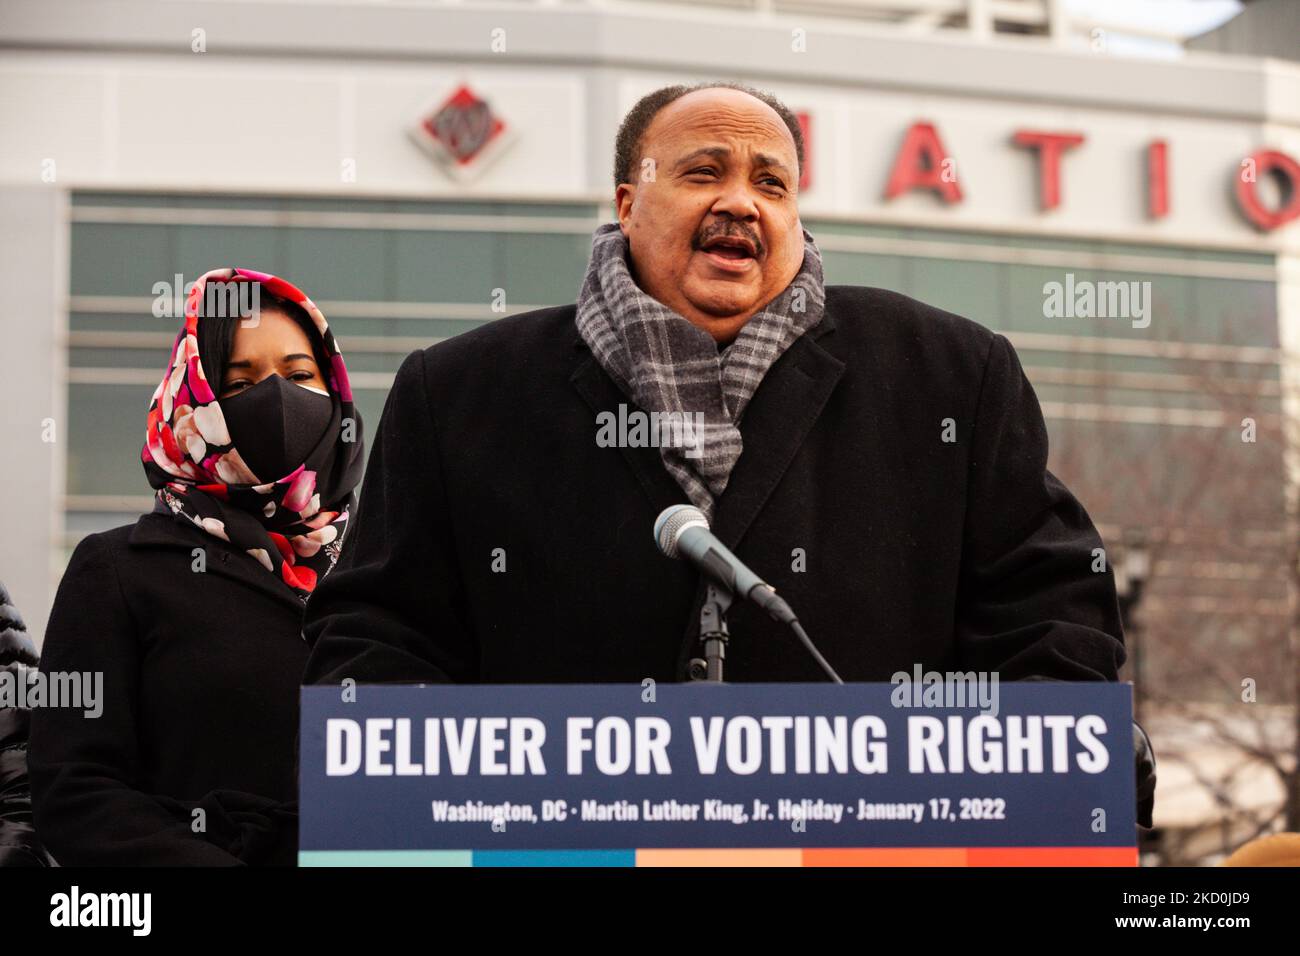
(799,774)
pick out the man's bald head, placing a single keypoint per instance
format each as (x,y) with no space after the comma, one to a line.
(708,202)
(628,143)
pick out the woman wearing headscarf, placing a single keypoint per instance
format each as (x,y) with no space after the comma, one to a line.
(193,614)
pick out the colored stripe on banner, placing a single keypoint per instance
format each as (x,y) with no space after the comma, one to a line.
(555,857)
(385,858)
(862,856)
(720,857)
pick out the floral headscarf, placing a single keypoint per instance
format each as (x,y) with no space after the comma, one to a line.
(292,524)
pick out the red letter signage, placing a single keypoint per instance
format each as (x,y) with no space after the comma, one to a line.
(1050,146)
(923,163)
(1286,171)
(1158,179)
(805,127)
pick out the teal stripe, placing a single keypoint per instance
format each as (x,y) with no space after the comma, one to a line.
(555,857)
(385,858)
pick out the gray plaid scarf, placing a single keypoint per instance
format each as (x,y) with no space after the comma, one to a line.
(669,366)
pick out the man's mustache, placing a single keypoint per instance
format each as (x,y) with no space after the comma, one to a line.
(737,231)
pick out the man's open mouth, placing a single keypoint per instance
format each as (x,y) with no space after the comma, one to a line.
(731,247)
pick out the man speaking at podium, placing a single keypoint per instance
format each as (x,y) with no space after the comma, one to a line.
(879,462)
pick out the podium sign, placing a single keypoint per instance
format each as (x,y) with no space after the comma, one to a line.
(1038,773)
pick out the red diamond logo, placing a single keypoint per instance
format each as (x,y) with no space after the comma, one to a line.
(463,133)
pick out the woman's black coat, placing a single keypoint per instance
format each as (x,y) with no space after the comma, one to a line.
(201,670)
(893,488)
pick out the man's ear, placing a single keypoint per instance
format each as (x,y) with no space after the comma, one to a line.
(624,197)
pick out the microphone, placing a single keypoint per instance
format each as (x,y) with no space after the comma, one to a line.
(682,532)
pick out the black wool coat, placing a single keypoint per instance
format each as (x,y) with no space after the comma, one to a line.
(497,542)
(200,705)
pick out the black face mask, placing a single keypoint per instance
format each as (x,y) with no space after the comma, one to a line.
(276,424)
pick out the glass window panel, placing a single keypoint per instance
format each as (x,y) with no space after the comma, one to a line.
(446,267)
(200,248)
(121,358)
(544,269)
(847,268)
(119,259)
(970,289)
(105,434)
(1236,312)
(349,264)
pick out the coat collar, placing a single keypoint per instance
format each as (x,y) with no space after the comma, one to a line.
(777,421)
(782,412)
(157,530)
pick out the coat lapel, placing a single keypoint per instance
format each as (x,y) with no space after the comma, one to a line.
(786,405)
(156,530)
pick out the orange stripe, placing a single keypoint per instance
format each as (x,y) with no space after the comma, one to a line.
(1053,856)
(887,856)
(895,856)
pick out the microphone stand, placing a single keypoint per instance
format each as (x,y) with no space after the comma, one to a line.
(713,635)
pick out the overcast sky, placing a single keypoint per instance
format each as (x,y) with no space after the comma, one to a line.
(1185,17)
